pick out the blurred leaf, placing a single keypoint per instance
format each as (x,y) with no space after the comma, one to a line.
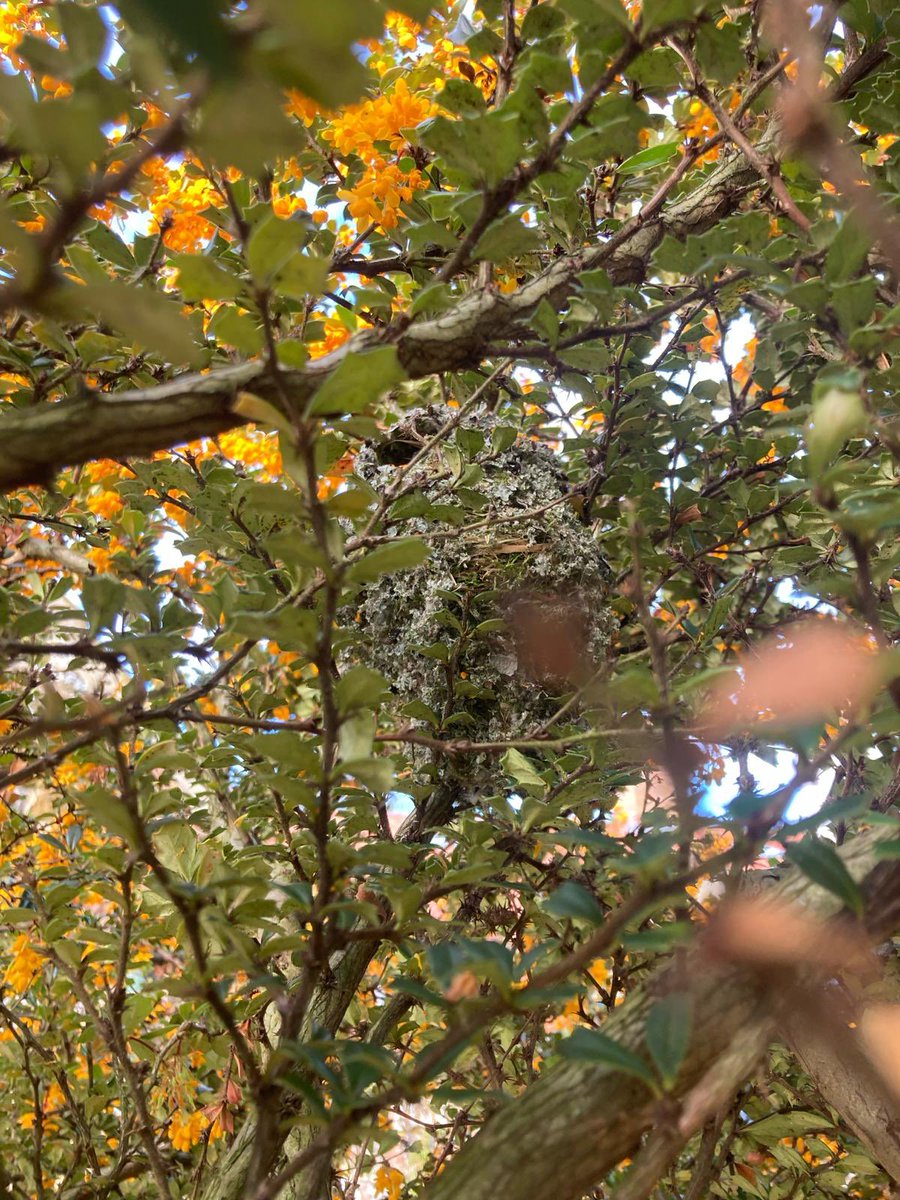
(197,29)
(149,319)
(821,863)
(570,900)
(358,381)
(202,278)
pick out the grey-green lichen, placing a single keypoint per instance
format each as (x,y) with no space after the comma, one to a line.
(509,610)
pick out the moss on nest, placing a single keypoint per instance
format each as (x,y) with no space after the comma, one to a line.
(509,611)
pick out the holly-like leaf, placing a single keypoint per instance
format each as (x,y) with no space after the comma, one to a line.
(592,1046)
(821,863)
(571,900)
(669,1024)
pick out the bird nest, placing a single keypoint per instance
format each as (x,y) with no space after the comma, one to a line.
(508,613)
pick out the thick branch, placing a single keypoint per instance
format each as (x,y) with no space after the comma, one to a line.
(589,1115)
(35,443)
(846,1081)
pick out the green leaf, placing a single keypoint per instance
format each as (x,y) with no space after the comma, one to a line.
(525,775)
(202,278)
(151,320)
(597,13)
(93,346)
(463,875)
(110,811)
(356,736)
(273,243)
(304,275)
(399,555)
(17,916)
(657,13)
(483,148)
(837,416)
(848,251)
(669,1033)
(719,51)
(644,160)
(237,329)
(794,1124)
(195,29)
(820,862)
(244,125)
(87,34)
(359,686)
(541,21)
(86,265)
(570,900)
(108,245)
(589,1045)
(506,239)
(358,381)
(101,598)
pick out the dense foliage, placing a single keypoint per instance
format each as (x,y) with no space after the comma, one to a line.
(449,462)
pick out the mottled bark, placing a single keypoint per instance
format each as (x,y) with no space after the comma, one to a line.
(580,1119)
(846,1081)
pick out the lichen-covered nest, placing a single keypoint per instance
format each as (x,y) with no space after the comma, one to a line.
(508,613)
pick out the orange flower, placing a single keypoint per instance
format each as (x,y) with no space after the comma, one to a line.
(336,333)
(106,504)
(177,200)
(389,1181)
(24,965)
(253,448)
(186,1130)
(302,107)
(776,404)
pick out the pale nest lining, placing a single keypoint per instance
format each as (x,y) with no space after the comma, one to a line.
(501,619)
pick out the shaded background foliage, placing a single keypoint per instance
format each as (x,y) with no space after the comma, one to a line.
(409,421)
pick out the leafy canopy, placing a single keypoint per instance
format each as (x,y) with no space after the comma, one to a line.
(410,419)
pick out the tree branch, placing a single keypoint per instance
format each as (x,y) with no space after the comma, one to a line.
(592,1115)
